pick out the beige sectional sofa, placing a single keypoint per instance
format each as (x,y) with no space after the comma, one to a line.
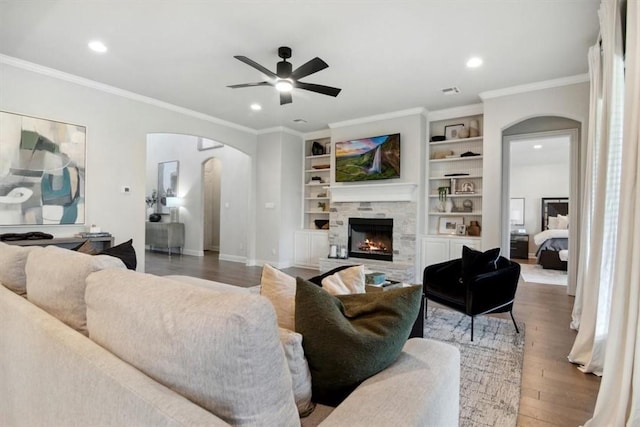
(143,350)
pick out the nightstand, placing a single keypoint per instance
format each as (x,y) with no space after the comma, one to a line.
(519,246)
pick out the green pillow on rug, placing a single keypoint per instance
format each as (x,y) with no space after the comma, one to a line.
(348,338)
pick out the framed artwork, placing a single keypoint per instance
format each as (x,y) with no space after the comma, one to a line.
(42,171)
(516,211)
(167,184)
(461,229)
(449,224)
(451,131)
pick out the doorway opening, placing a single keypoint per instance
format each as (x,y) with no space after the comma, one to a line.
(211,178)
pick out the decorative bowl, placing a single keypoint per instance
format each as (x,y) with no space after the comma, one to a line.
(321,223)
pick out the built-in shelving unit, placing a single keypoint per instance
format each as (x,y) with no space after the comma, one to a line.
(317,178)
(462,157)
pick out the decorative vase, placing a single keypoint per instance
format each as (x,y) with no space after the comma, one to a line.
(473,229)
(463,133)
(317,149)
(448,205)
(155,217)
(474,130)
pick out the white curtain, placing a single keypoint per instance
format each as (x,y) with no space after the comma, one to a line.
(618,401)
(601,196)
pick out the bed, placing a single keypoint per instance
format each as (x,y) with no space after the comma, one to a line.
(553,239)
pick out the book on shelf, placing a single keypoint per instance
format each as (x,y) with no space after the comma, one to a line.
(88,235)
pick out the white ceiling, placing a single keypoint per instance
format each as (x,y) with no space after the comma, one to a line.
(385,55)
(553,150)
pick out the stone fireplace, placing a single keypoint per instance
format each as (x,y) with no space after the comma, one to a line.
(370,238)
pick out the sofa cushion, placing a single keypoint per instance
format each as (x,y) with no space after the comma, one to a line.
(348,338)
(56,282)
(280,289)
(299,370)
(475,262)
(125,252)
(347,281)
(220,350)
(318,279)
(13,259)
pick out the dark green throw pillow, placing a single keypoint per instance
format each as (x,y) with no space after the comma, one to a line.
(476,262)
(348,338)
(125,252)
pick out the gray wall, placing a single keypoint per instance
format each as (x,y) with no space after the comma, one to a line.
(117,129)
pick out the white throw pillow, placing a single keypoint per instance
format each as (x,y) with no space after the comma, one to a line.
(299,370)
(221,350)
(552,223)
(563,222)
(348,281)
(280,289)
(13,259)
(56,281)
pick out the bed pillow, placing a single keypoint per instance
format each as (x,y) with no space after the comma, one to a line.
(280,289)
(347,281)
(563,222)
(349,338)
(475,262)
(13,259)
(552,223)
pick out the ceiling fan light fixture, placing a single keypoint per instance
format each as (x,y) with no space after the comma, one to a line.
(284,85)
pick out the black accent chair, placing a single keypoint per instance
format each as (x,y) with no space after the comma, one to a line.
(489,292)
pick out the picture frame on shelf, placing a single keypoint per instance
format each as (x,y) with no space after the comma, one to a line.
(449,224)
(452,131)
(461,230)
(466,187)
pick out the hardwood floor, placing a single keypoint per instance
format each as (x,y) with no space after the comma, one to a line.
(554,392)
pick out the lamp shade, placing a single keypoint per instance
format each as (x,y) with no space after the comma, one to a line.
(174,202)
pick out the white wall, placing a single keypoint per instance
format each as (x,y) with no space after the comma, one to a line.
(278,185)
(532,182)
(117,129)
(234,192)
(499,113)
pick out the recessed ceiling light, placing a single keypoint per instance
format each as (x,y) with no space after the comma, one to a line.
(474,62)
(256,107)
(97,46)
(537,146)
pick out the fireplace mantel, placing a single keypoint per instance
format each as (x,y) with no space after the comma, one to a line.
(398,192)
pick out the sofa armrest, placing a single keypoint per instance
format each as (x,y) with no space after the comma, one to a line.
(421,388)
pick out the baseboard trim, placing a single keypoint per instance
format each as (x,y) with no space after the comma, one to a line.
(232,258)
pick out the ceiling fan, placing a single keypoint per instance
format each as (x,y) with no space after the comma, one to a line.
(285,80)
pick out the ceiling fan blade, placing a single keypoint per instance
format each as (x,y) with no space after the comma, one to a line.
(285,98)
(255,65)
(250,85)
(313,66)
(325,90)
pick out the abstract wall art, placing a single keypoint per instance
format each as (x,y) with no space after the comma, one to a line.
(42,171)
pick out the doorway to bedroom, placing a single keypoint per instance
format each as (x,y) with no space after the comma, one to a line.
(540,158)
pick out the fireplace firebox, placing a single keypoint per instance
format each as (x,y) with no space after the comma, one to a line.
(371,238)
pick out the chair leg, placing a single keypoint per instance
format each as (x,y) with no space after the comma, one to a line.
(514,321)
(472,328)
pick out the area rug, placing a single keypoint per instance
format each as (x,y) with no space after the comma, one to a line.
(491,365)
(534,273)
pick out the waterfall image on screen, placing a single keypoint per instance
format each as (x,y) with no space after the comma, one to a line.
(368,158)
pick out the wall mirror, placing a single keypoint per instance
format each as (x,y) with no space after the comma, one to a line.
(516,211)
(167,184)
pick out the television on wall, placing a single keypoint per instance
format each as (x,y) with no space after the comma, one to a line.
(367,159)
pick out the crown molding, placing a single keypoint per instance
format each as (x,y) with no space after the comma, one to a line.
(282,129)
(318,134)
(81,81)
(385,116)
(448,113)
(531,87)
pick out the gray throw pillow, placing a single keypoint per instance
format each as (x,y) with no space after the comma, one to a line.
(348,338)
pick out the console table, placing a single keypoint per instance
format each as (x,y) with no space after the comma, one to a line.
(63,242)
(165,235)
